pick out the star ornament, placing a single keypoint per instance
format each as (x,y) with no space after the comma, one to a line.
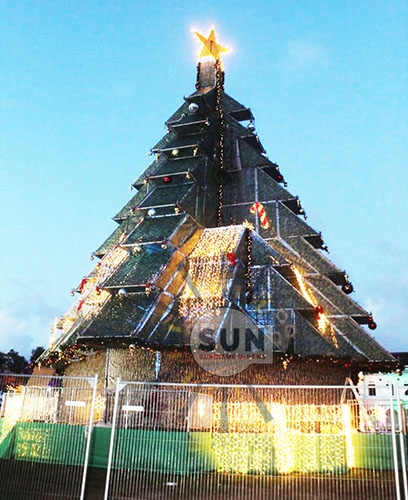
(210,46)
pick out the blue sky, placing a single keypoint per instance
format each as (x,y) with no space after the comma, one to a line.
(87,86)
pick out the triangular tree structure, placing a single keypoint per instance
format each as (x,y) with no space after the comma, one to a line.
(213,226)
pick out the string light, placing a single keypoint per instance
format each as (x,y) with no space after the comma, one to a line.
(208,270)
(348,429)
(219,86)
(99,407)
(93,297)
(248,281)
(323,324)
(302,437)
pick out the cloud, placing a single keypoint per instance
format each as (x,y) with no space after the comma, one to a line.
(12,327)
(303,56)
(25,321)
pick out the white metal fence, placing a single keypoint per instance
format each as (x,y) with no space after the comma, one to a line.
(45,435)
(62,439)
(254,442)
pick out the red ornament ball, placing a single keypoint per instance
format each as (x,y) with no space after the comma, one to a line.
(231,258)
(319,310)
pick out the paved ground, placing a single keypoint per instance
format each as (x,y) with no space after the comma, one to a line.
(28,481)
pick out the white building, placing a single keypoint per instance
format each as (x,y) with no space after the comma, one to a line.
(376,392)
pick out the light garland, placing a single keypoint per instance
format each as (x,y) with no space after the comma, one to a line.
(240,417)
(248,225)
(323,324)
(92,297)
(303,289)
(248,281)
(219,86)
(110,262)
(208,270)
(298,438)
(347,425)
(81,310)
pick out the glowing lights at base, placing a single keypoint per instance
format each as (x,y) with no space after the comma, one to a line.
(348,430)
(298,438)
(99,407)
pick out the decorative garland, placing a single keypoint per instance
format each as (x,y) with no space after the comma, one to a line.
(70,354)
(248,284)
(219,174)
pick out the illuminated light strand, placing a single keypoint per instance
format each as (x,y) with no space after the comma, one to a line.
(323,324)
(16,390)
(304,290)
(99,407)
(93,302)
(220,201)
(347,424)
(110,262)
(208,270)
(81,310)
(217,242)
(242,417)
(248,277)
(248,225)
(304,437)
(92,298)
(219,86)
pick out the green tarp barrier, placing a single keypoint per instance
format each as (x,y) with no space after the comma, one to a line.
(42,442)
(99,449)
(134,448)
(182,452)
(163,451)
(6,443)
(374,451)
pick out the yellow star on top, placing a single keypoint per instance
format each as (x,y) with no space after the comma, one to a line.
(211,47)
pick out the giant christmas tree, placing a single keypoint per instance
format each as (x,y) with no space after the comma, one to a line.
(213,231)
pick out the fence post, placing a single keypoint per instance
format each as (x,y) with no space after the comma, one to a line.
(112,437)
(394,442)
(401,432)
(89,437)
